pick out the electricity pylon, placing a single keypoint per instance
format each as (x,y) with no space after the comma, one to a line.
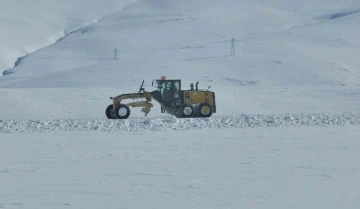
(232,50)
(115,54)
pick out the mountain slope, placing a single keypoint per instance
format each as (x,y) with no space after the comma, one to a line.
(27,26)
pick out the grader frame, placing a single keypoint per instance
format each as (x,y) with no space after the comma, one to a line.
(181,103)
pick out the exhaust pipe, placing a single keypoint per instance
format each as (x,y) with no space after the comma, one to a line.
(197,83)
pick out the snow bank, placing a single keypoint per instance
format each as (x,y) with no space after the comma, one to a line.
(170,123)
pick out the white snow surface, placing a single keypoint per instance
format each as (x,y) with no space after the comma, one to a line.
(279,168)
(285,134)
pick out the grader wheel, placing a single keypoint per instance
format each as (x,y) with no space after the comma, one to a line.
(122,111)
(187,111)
(205,110)
(110,112)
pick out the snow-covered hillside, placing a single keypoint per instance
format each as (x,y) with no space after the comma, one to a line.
(27,26)
(155,37)
(288,103)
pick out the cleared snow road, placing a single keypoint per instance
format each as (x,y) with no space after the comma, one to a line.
(172,123)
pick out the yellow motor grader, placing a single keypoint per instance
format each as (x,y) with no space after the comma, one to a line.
(189,103)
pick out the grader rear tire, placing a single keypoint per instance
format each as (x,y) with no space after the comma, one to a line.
(205,110)
(187,111)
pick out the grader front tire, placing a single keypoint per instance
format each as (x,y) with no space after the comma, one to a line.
(122,111)
(110,112)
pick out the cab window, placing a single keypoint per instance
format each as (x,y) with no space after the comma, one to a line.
(176,89)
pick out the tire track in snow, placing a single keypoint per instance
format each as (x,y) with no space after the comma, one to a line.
(172,123)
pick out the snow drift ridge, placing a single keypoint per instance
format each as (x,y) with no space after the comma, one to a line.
(171,123)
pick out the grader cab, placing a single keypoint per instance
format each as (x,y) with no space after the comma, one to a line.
(180,103)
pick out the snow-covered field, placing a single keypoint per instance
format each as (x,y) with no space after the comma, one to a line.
(285,135)
(307,167)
